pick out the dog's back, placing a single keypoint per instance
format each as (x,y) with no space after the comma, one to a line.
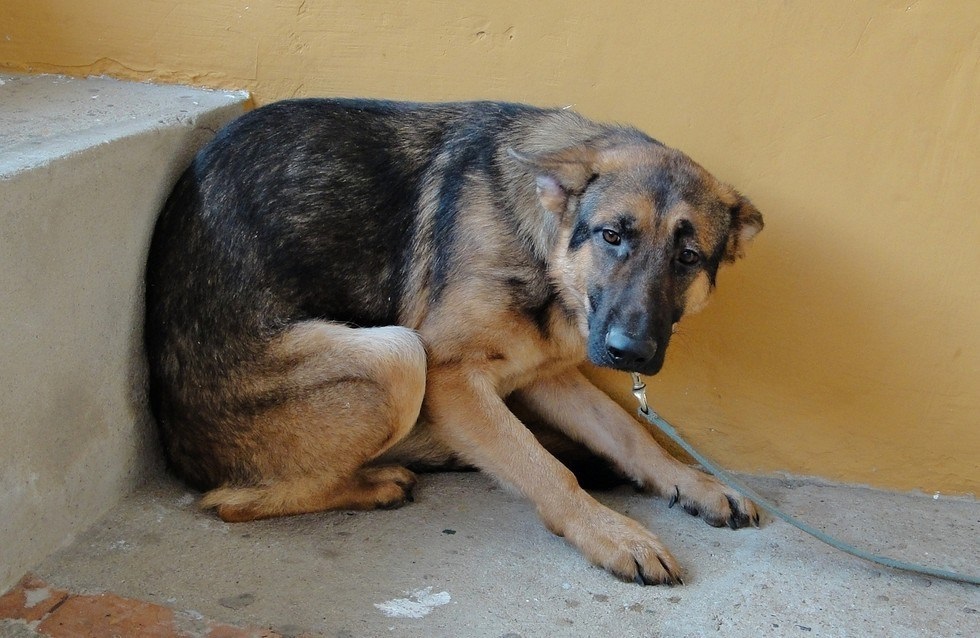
(339,210)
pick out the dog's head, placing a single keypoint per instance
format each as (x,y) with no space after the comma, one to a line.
(643,231)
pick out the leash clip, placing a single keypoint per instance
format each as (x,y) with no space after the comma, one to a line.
(640,392)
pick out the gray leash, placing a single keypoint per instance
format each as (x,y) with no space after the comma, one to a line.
(639,391)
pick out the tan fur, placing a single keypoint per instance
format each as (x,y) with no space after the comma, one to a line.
(353,394)
(697,294)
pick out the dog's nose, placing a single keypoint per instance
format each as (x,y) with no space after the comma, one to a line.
(629,352)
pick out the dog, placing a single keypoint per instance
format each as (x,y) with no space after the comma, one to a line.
(340,290)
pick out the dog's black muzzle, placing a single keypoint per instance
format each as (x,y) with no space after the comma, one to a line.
(619,350)
(629,352)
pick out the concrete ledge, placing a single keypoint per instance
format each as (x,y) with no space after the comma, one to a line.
(47,117)
(84,167)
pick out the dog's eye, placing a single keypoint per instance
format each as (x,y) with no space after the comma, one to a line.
(611,237)
(688,257)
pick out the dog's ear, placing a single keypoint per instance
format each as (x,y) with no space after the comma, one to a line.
(560,174)
(746,224)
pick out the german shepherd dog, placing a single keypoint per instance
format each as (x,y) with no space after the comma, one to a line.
(340,290)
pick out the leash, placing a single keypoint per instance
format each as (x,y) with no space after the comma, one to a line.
(639,391)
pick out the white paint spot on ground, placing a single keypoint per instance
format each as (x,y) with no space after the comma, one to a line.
(418,605)
(34,597)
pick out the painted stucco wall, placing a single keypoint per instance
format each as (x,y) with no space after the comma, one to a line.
(847,344)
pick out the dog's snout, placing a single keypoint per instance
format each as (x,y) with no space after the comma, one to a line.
(628,352)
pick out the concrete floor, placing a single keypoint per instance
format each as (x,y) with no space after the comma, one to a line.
(470,559)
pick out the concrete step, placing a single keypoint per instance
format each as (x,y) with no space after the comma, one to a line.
(85,165)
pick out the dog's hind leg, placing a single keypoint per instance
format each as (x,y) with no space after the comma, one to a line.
(330,399)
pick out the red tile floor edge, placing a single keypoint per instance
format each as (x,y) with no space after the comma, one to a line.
(56,613)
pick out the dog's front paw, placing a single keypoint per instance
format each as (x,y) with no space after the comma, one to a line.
(716,503)
(623,547)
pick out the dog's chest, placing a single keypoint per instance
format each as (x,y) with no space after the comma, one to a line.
(532,353)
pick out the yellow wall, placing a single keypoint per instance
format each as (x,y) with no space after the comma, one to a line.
(847,344)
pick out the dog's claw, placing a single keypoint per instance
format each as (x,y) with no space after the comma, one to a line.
(640,579)
(738,518)
(735,516)
(671,578)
